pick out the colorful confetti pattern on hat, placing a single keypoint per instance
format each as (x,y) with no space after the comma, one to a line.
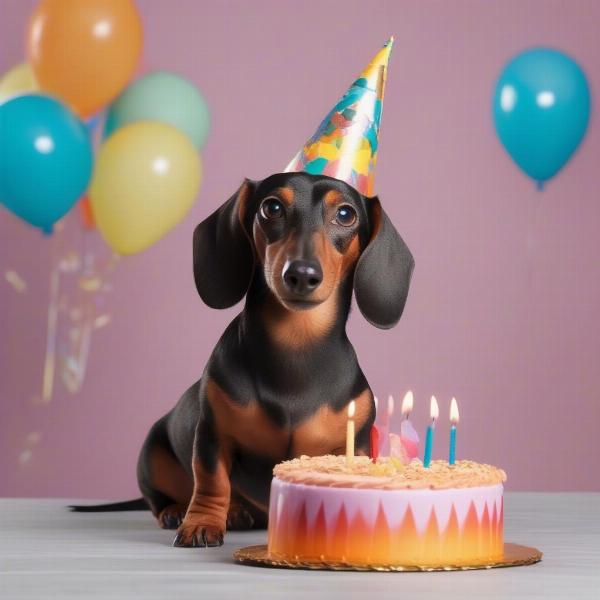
(345,144)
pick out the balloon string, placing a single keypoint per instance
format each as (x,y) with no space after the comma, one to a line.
(88,266)
(531,235)
(53,307)
(92,283)
(86,341)
(87,281)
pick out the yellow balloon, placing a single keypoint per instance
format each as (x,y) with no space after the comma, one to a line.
(146,177)
(18,80)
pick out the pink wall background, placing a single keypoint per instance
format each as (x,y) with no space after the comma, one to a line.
(503,311)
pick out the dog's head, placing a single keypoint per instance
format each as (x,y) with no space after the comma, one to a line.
(307,233)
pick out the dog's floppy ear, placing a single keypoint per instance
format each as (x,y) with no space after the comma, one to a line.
(383,272)
(223,252)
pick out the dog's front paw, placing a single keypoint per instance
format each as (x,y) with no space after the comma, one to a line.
(196,533)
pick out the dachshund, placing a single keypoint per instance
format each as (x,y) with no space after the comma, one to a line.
(279,380)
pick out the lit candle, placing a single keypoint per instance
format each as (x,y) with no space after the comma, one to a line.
(390,407)
(374,438)
(386,427)
(454,421)
(350,432)
(407,404)
(374,443)
(434,413)
(408,435)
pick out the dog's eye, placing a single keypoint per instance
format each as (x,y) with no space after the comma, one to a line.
(271,208)
(345,216)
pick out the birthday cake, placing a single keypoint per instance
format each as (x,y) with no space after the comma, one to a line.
(384,512)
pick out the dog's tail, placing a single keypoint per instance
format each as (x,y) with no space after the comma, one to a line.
(137,504)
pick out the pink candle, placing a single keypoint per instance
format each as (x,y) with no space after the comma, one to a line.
(408,434)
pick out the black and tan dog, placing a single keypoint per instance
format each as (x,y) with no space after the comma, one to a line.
(280,378)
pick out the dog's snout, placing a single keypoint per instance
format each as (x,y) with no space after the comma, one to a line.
(301,277)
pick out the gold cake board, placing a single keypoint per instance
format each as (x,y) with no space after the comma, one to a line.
(514,556)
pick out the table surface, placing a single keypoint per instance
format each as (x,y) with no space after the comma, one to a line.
(48,552)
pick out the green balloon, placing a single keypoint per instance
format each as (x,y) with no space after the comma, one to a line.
(164,97)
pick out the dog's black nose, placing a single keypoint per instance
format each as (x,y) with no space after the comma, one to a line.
(302,277)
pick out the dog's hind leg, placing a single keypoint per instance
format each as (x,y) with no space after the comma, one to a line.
(164,483)
(171,516)
(244,515)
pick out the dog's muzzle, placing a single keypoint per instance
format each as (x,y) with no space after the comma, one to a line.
(302,277)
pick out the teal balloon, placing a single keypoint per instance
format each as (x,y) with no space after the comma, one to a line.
(541,110)
(45,159)
(164,97)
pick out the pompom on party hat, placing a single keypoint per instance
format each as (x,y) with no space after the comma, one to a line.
(345,144)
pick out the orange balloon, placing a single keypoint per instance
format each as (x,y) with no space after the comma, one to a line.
(86,51)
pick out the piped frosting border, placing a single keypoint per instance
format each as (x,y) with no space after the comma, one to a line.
(385,473)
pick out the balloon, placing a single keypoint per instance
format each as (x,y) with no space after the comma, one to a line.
(84,52)
(541,110)
(45,159)
(18,80)
(87,215)
(92,122)
(164,97)
(146,177)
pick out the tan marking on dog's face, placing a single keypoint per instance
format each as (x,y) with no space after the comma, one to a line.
(351,255)
(248,426)
(288,324)
(333,198)
(331,261)
(299,328)
(275,256)
(335,264)
(286,195)
(325,431)
(260,242)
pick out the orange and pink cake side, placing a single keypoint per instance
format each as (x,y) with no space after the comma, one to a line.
(369,513)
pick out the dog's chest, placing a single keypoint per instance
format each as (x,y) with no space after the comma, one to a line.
(283,434)
(253,429)
(322,432)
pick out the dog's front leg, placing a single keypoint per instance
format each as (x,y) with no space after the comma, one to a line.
(206,516)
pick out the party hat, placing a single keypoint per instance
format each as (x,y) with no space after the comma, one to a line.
(345,144)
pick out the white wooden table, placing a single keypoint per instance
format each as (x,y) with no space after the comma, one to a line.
(48,552)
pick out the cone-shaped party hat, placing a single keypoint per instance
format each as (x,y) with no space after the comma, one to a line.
(345,144)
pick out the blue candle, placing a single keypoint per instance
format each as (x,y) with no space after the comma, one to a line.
(434,412)
(454,421)
(452,454)
(428,445)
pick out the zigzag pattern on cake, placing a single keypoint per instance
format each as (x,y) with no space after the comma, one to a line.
(389,527)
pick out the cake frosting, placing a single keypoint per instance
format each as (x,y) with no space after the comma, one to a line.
(386,473)
(386,513)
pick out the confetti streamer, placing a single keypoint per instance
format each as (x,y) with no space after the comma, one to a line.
(17,282)
(48,377)
(31,440)
(25,456)
(101,321)
(79,282)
